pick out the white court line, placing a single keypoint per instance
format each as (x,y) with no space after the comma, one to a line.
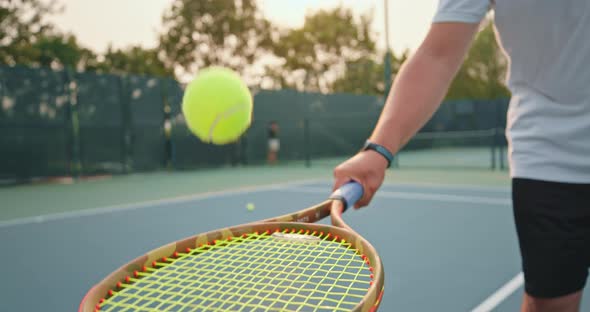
(447,198)
(242,190)
(152,203)
(459,187)
(422,196)
(501,294)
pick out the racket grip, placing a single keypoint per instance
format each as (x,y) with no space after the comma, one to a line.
(348,194)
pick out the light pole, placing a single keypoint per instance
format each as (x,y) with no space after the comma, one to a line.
(387,60)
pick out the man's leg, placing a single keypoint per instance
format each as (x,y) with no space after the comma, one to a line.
(553,225)
(273,149)
(271,155)
(567,303)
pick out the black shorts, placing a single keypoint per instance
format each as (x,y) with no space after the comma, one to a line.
(553,226)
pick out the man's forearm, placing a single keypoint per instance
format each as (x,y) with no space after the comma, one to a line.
(418,90)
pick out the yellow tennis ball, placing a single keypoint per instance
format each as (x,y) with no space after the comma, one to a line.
(217,106)
(250,206)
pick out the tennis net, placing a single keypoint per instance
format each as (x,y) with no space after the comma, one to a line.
(476,149)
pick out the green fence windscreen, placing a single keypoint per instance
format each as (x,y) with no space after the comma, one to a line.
(145,98)
(102,128)
(53,121)
(34,139)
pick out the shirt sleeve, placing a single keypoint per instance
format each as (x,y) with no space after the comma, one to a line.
(465,11)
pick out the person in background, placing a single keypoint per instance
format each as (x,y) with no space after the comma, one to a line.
(548,46)
(274,144)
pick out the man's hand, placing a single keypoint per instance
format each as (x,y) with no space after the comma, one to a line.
(366,168)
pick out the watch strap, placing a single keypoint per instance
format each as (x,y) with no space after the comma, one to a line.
(381,150)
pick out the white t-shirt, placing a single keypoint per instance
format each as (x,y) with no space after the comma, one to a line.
(548,45)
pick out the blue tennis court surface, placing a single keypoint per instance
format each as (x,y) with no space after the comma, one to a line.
(444,248)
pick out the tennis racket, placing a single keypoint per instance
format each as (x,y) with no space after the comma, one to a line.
(279,264)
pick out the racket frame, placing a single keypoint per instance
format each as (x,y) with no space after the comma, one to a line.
(302,220)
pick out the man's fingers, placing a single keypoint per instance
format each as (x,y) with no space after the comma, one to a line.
(340,178)
(370,188)
(339,181)
(364,201)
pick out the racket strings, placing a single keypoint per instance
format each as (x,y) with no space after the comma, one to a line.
(252,273)
(294,280)
(270,275)
(155,287)
(334,269)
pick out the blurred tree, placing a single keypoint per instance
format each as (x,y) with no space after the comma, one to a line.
(314,56)
(481,75)
(362,76)
(483,72)
(58,51)
(22,23)
(196,34)
(135,60)
(365,76)
(27,38)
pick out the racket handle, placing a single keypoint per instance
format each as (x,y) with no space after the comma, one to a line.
(348,194)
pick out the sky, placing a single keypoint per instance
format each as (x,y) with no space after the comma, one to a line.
(121,23)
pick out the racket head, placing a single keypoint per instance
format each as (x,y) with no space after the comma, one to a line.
(360,249)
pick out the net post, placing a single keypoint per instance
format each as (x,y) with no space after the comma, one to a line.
(387,74)
(166,124)
(307,142)
(499,128)
(126,126)
(502,150)
(493,148)
(388,54)
(73,124)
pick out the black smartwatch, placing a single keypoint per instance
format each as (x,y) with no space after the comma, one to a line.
(381,150)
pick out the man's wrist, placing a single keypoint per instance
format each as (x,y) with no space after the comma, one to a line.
(381,150)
